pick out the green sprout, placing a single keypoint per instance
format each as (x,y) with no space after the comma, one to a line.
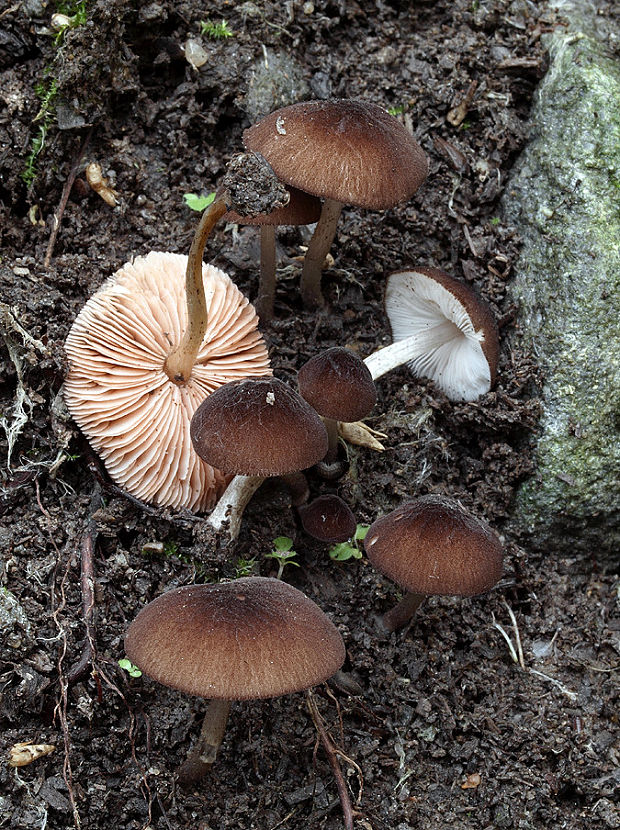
(284,554)
(69,15)
(128,666)
(196,202)
(244,567)
(495,221)
(351,549)
(399,110)
(217,31)
(47,94)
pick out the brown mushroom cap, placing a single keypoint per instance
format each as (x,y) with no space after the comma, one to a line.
(459,344)
(351,151)
(328,518)
(302,209)
(134,416)
(338,384)
(431,545)
(258,427)
(250,638)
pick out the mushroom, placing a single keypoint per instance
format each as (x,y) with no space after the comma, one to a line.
(433,546)
(345,151)
(135,353)
(337,383)
(328,518)
(302,209)
(251,638)
(118,391)
(255,429)
(443,330)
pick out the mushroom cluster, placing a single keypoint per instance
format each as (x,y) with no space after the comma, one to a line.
(171,383)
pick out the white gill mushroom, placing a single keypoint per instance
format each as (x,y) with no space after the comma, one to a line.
(118,390)
(443,330)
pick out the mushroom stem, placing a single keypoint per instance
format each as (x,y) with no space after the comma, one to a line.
(403,611)
(402,351)
(332,436)
(181,360)
(202,756)
(267,282)
(297,485)
(321,242)
(232,503)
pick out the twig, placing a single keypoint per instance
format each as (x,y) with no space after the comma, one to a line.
(65,198)
(332,758)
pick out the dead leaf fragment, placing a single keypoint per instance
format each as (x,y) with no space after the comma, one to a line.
(361,435)
(25,752)
(472,781)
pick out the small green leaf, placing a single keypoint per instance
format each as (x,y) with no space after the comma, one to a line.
(360,532)
(283,543)
(128,666)
(198,203)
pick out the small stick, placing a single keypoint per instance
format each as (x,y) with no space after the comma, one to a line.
(332,758)
(65,198)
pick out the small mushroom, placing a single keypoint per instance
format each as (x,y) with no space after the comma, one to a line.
(328,518)
(338,384)
(118,391)
(302,209)
(443,330)
(433,546)
(242,640)
(254,430)
(345,151)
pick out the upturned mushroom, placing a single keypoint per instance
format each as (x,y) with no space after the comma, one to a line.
(433,546)
(302,209)
(120,394)
(255,429)
(443,330)
(344,151)
(242,640)
(338,385)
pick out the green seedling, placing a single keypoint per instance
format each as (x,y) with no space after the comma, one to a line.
(47,94)
(216,31)
(283,553)
(128,666)
(196,202)
(399,110)
(351,549)
(495,221)
(244,567)
(69,15)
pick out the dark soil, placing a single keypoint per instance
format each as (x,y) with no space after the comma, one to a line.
(446,730)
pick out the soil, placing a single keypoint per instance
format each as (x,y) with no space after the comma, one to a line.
(443,728)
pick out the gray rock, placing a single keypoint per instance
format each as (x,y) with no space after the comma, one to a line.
(564,201)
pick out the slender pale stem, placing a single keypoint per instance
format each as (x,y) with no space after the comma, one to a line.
(202,756)
(181,360)
(390,357)
(321,242)
(232,503)
(267,283)
(403,611)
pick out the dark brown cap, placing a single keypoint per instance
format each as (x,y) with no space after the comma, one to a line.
(262,428)
(351,151)
(431,545)
(459,344)
(250,638)
(302,209)
(328,518)
(338,384)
